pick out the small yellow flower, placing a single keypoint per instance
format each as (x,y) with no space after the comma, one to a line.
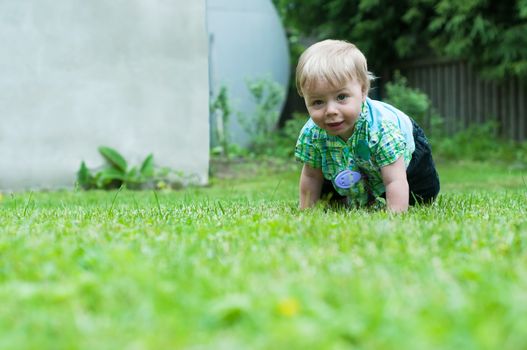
(288,307)
(161,185)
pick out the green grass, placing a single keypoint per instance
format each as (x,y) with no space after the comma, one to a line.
(236,266)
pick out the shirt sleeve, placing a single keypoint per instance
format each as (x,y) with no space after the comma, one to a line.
(306,150)
(390,146)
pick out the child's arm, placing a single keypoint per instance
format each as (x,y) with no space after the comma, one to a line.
(396,185)
(311,180)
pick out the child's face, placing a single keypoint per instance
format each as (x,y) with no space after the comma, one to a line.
(335,109)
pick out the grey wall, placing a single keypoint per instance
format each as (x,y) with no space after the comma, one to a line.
(76,74)
(247,41)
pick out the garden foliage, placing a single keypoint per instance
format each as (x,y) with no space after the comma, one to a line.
(267,95)
(478,142)
(414,103)
(488,34)
(221,110)
(116,173)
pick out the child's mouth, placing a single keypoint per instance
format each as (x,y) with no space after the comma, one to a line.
(334,125)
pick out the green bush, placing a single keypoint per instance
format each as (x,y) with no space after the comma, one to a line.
(477,142)
(278,143)
(520,155)
(481,142)
(282,143)
(414,103)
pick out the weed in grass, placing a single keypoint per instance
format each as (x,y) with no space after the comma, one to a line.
(160,213)
(110,211)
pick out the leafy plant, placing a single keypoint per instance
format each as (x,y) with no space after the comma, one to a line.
(411,101)
(116,173)
(414,103)
(488,34)
(281,142)
(265,138)
(481,143)
(221,110)
(267,94)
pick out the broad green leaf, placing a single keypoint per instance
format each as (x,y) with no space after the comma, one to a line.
(133,176)
(147,168)
(134,179)
(107,176)
(114,158)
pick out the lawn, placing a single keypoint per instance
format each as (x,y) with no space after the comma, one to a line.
(236,266)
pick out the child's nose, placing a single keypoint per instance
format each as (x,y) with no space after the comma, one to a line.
(331,108)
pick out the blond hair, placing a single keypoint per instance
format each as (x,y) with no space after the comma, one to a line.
(332,61)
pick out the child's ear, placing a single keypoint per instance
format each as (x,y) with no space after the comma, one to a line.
(364,93)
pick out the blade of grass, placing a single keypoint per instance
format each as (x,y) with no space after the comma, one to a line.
(110,212)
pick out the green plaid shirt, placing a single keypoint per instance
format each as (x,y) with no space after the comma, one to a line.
(381,135)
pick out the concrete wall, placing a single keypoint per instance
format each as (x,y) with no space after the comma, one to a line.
(247,41)
(77,74)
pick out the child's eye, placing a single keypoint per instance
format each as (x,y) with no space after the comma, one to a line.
(342,97)
(317,102)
